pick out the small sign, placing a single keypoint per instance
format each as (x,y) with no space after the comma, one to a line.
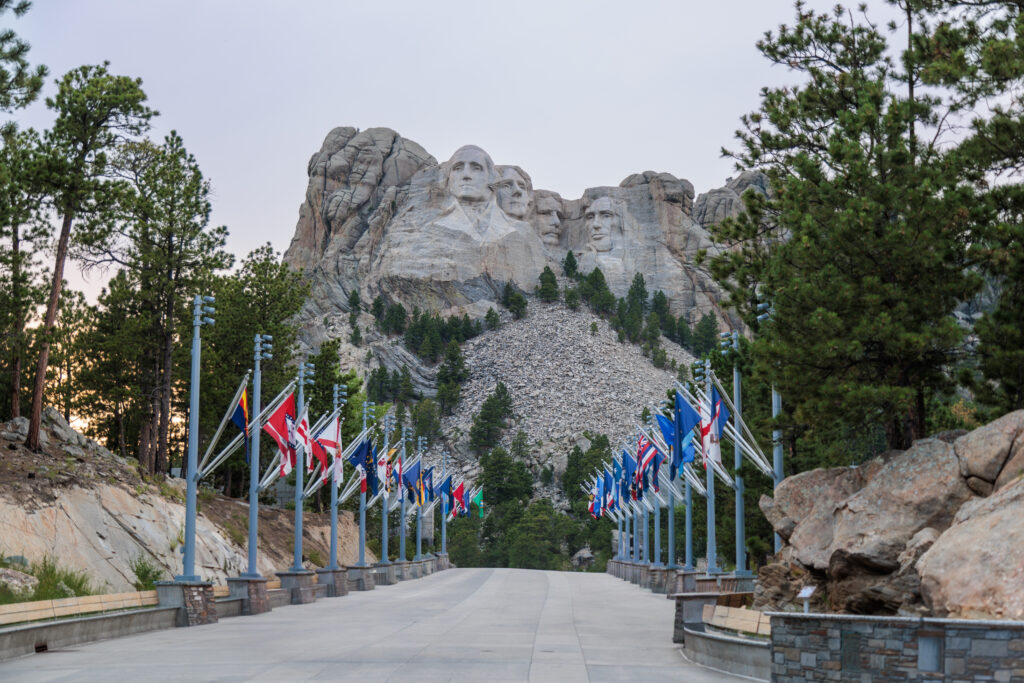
(806,592)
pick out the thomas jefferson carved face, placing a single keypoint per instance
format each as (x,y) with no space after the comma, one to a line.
(602,220)
(549,220)
(514,193)
(470,172)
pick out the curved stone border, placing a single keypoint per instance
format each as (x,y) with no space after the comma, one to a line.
(731,654)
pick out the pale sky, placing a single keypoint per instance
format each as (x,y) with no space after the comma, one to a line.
(579,94)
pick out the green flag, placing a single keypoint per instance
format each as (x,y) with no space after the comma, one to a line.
(478,499)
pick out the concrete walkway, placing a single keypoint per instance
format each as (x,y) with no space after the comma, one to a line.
(459,625)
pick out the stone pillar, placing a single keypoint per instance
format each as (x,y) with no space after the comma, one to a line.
(402,571)
(387,574)
(253,593)
(336,581)
(363,578)
(690,613)
(194,600)
(303,590)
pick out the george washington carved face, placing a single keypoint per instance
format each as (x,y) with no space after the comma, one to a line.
(470,174)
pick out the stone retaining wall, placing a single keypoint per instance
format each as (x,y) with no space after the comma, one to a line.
(835,647)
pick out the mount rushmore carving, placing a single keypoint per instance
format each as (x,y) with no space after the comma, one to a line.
(383,217)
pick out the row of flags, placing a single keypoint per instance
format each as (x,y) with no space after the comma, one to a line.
(374,470)
(633,474)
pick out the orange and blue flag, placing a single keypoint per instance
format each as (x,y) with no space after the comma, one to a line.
(241,419)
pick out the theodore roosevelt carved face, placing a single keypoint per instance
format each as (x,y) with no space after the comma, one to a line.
(470,174)
(549,220)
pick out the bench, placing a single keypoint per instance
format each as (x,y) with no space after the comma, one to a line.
(65,607)
(737,619)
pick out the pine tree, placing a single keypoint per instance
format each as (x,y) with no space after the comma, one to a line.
(569,265)
(492,319)
(95,111)
(19,83)
(377,309)
(491,420)
(572,298)
(548,291)
(356,337)
(705,335)
(637,296)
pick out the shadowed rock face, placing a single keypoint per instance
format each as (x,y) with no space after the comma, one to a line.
(912,531)
(383,217)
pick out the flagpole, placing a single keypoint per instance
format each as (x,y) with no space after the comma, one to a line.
(777,451)
(737,413)
(362,502)
(444,505)
(712,550)
(388,424)
(261,351)
(305,377)
(200,317)
(340,392)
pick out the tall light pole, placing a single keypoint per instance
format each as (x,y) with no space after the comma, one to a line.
(444,504)
(340,399)
(261,351)
(200,317)
(362,499)
(765,312)
(304,378)
(732,341)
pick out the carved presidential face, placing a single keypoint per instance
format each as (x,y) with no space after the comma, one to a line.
(602,221)
(470,172)
(549,220)
(514,193)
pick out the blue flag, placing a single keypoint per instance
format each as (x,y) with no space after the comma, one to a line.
(428,485)
(686,419)
(609,488)
(598,496)
(723,415)
(411,480)
(241,419)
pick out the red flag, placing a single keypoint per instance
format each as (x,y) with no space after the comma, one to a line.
(278,426)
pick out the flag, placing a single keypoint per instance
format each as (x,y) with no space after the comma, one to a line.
(327,444)
(628,476)
(300,437)
(411,480)
(321,453)
(645,452)
(445,492)
(428,485)
(384,469)
(396,472)
(658,458)
(686,419)
(598,497)
(459,497)
(668,430)
(241,419)
(277,426)
(478,499)
(363,460)
(713,417)
(609,490)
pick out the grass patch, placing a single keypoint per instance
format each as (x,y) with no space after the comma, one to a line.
(146,574)
(55,582)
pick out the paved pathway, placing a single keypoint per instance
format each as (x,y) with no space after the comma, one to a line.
(459,625)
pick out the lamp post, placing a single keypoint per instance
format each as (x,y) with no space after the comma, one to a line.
(766,312)
(732,341)
(200,317)
(362,500)
(261,351)
(444,505)
(304,378)
(389,423)
(340,399)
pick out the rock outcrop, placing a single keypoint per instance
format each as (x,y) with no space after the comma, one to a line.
(910,531)
(89,510)
(382,217)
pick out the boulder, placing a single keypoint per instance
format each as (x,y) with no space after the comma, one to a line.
(975,569)
(19,583)
(984,451)
(1013,470)
(919,488)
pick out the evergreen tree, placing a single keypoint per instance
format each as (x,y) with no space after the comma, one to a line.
(513,301)
(569,266)
(637,296)
(705,335)
(492,319)
(377,309)
(95,111)
(548,286)
(684,336)
(404,391)
(356,337)
(572,298)
(491,420)
(425,418)
(394,319)
(862,244)
(450,377)
(353,300)
(19,82)
(659,306)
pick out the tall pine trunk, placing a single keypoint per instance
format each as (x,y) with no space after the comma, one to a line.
(35,419)
(19,324)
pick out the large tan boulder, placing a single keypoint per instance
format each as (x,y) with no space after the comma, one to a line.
(1013,470)
(920,488)
(983,452)
(975,569)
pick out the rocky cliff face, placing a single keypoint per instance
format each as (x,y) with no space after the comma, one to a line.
(91,511)
(382,217)
(936,529)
